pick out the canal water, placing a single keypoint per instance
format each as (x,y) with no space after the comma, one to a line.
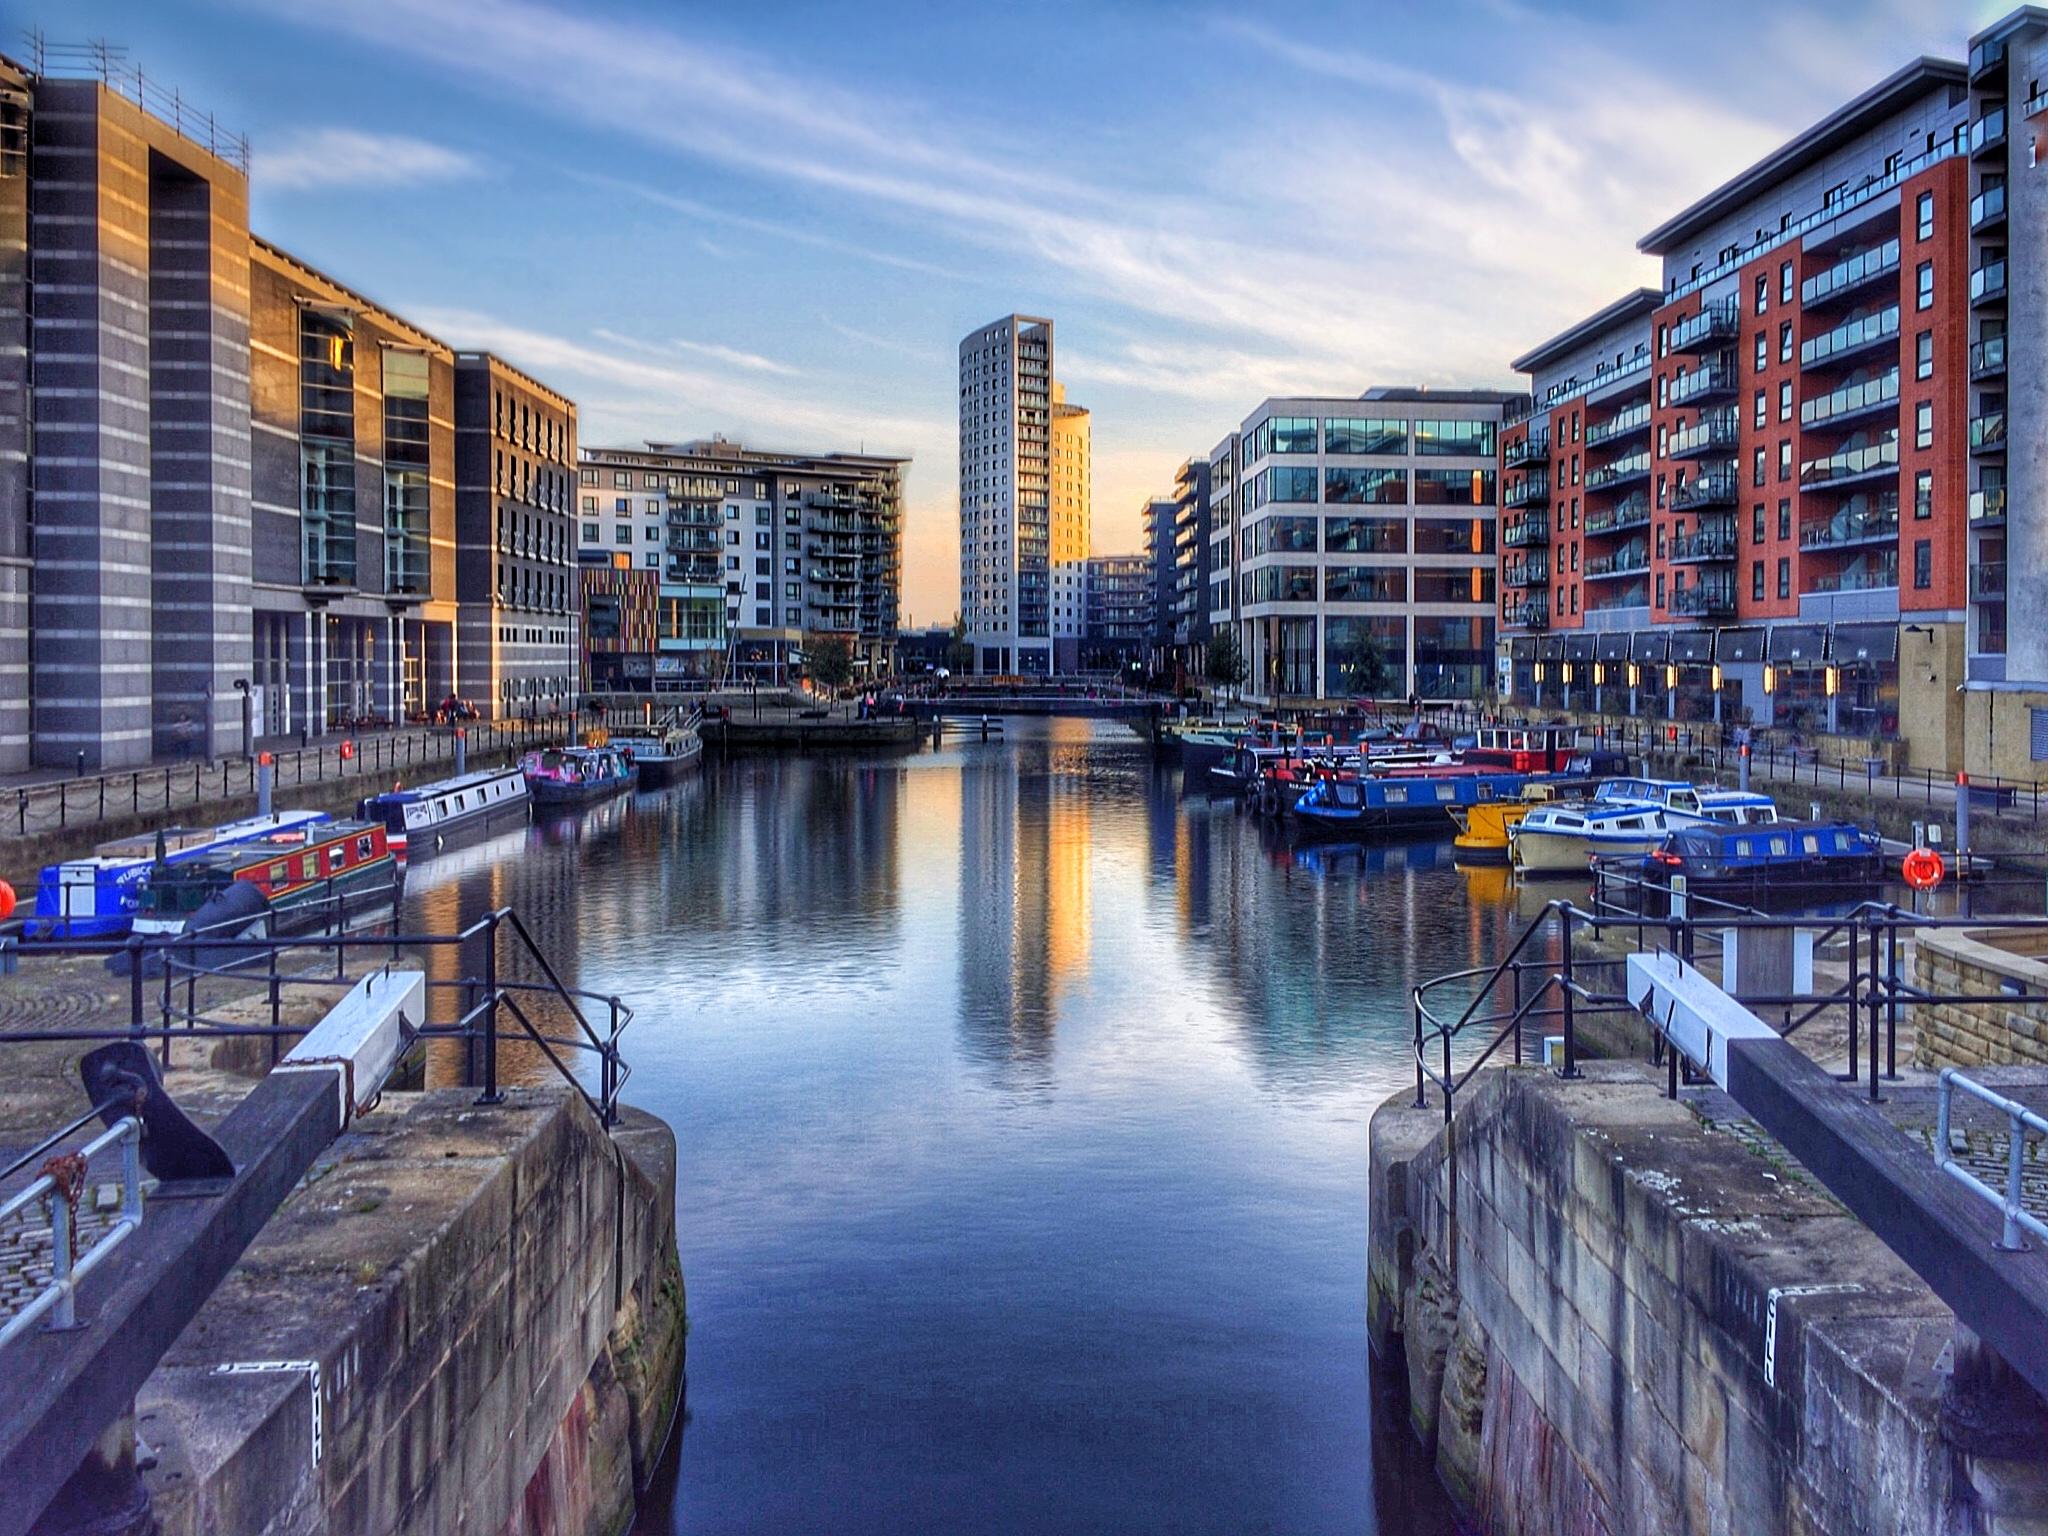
(1022,1103)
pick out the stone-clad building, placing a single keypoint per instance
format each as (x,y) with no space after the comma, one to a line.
(515,539)
(228,482)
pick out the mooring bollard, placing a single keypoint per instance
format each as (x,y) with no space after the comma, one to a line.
(266,779)
(461,751)
(1742,768)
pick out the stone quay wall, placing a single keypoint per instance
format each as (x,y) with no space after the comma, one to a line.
(476,1312)
(1618,1319)
(1982,962)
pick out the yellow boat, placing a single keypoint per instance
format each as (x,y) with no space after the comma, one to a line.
(1483,828)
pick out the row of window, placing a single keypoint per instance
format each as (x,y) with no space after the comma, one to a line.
(1371,435)
(1371,487)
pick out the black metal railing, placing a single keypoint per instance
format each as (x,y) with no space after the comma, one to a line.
(502,988)
(86,799)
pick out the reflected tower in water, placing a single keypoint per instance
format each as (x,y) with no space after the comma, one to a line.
(1024,901)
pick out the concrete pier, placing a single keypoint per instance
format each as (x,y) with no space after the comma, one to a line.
(1625,1313)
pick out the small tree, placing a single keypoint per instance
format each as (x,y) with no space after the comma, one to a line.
(831,661)
(959,654)
(1225,665)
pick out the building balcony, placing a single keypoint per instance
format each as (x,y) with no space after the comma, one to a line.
(1987,358)
(1715,323)
(1987,283)
(1626,470)
(1717,434)
(1525,533)
(1632,513)
(1716,380)
(2035,104)
(1987,432)
(1718,488)
(1621,426)
(1987,134)
(1849,528)
(1987,63)
(1852,339)
(1987,210)
(1877,577)
(1533,449)
(1849,465)
(1707,600)
(1526,573)
(1533,614)
(1852,402)
(1851,275)
(1710,546)
(1633,561)
(1987,581)
(1531,491)
(691,573)
(1988,505)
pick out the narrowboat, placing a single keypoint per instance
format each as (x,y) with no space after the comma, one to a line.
(1484,827)
(1753,865)
(662,756)
(97,896)
(576,775)
(1340,807)
(420,820)
(279,883)
(1625,818)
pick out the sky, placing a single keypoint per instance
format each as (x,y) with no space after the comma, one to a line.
(775,220)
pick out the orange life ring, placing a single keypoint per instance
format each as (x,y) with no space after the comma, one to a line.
(1923,869)
(348,750)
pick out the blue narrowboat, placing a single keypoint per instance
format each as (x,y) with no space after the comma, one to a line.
(420,820)
(97,896)
(1753,864)
(1341,807)
(576,775)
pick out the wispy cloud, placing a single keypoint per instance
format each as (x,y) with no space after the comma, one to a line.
(753,362)
(350,157)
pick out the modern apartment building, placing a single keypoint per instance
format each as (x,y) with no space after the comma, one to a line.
(1121,594)
(1802,481)
(1188,599)
(1156,523)
(1364,558)
(1024,499)
(1073,509)
(754,550)
(515,540)
(1220,518)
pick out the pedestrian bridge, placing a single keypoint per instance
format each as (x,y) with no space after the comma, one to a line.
(1096,706)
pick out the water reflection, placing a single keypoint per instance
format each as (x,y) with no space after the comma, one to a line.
(1022,1104)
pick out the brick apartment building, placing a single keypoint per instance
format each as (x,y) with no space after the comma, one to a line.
(1798,483)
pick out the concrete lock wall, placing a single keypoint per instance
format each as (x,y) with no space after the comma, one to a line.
(1583,1279)
(493,1302)
(1981,962)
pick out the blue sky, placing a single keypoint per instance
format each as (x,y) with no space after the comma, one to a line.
(776,220)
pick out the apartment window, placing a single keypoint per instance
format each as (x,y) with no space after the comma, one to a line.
(1763,292)
(1785,401)
(1923,424)
(1784,286)
(761,517)
(1756,581)
(792,567)
(590,503)
(621,481)
(1785,342)
(1763,409)
(622,533)
(1763,352)
(1923,355)
(1923,495)
(622,506)
(1660,541)
(1784,519)
(652,560)
(1758,467)
(764,540)
(763,566)
(1575,426)
(1756,523)
(1660,589)
(1660,490)
(591,533)
(732,535)
(1923,286)
(586,476)
(652,533)
(1785,459)
(1923,564)
(1926,212)
(1784,576)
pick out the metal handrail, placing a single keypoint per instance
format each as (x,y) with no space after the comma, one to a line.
(2020,1120)
(67,1267)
